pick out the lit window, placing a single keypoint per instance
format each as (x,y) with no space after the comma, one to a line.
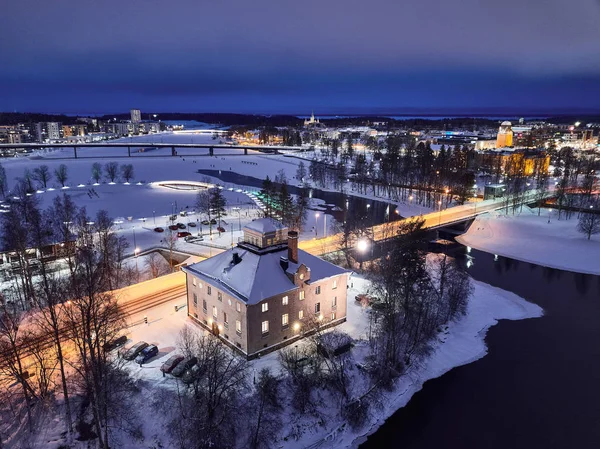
(238,307)
(209,290)
(284,319)
(334,302)
(265,306)
(301,295)
(220,296)
(265,327)
(195,299)
(204,305)
(284,300)
(300,314)
(215,313)
(238,326)
(225,318)
(334,284)
(229,302)
(318,290)
(317,307)
(194,281)
(332,316)
(301,276)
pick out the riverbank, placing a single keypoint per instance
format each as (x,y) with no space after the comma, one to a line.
(463,342)
(542,240)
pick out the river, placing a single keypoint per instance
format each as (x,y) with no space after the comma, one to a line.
(539,385)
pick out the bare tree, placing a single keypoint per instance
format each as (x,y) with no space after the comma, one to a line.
(589,222)
(61,174)
(204,206)
(3,181)
(155,263)
(127,172)
(42,175)
(112,170)
(265,408)
(97,172)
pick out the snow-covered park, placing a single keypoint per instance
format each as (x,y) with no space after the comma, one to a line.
(540,239)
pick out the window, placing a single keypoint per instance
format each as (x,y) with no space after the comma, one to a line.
(265,306)
(284,319)
(301,276)
(220,296)
(229,302)
(300,314)
(334,302)
(284,300)
(204,305)
(317,307)
(225,321)
(195,299)
(334,284)
(318,290)
(238,307)
(209,290)
(194,281)
(215,313)
(301,297)
(265,327)
(238,326)
(332,316)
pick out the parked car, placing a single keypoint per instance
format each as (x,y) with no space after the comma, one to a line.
(146,354)
(159,229)
(117,343)
(213,221)
(183,234)
(180,225)
(205,222)
(173,227)
(132,352)
(194,238)
(221,229)
(183,366)
(191,225)
(171,363)
(190,375)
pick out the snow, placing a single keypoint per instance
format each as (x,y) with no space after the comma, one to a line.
(543,240)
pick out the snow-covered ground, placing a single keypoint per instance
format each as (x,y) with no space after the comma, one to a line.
(543,240)
(461,343)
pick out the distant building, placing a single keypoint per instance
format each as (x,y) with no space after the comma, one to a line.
(10,135)
(48,131)
(513,162)
(312,121)
(505,135)
(265,293)
(136,116)
(73,130)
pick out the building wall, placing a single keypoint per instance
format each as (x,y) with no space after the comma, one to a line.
(278,333)
(228,304)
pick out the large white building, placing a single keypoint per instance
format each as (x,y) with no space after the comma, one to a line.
(136,115)
(265,293)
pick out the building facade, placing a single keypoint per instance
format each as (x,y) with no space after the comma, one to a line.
(505,135)
(265,293)
(136,115)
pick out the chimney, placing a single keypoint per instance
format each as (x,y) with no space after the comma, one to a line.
(236,258)
(283,261)
(293,246)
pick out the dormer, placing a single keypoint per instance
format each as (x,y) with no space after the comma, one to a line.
(265,232)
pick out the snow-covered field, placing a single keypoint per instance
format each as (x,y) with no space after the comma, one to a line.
(461,343)
(543,240)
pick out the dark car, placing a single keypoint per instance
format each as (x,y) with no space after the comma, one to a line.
(180,225)
(221,229)
(183,234)
(146,354)
(132,352)
(173,227)
(191,375)
(192,225)
(159,229)
(117,343)
(213,221)
(205,222)
(171,363)
(183,366)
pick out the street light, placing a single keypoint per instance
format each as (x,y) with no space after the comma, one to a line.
(316,224)
(362,245)
(154,215)
(440,210)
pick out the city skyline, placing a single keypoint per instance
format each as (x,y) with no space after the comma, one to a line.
(265,57)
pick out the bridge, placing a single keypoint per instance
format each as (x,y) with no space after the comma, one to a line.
(432,221)
(187,148)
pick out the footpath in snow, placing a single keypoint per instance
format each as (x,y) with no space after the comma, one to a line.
(543,240)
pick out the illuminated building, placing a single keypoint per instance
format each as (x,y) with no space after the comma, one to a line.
(505,135)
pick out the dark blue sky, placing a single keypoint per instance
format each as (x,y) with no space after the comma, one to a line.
(284,56)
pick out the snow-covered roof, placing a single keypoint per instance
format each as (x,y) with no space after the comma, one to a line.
(506,123)
(258,276)
(265,225)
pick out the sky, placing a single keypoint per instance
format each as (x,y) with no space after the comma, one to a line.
(292,56)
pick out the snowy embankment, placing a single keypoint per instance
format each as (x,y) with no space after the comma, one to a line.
(462,343)
(543,240)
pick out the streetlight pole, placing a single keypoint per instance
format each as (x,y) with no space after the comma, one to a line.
(316,224)
(154,216)
(440,210)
